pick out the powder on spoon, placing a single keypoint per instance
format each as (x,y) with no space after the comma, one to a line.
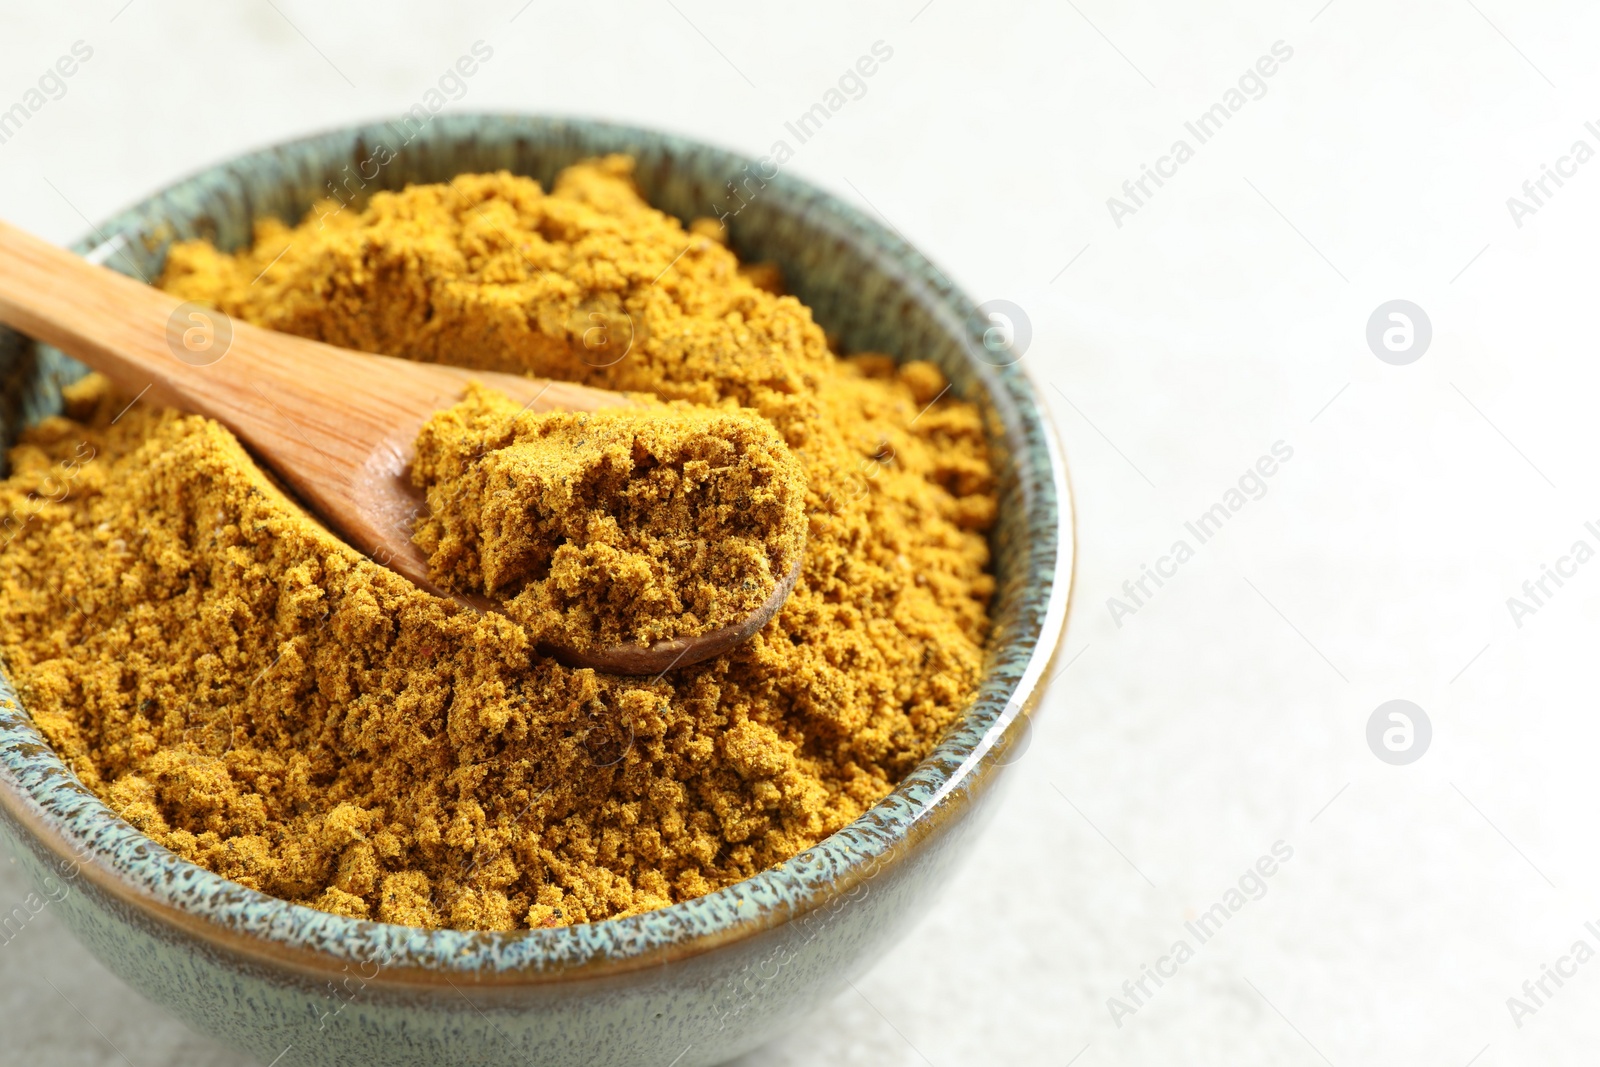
(633,524)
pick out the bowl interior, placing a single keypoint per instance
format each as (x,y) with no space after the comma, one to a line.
(870,291)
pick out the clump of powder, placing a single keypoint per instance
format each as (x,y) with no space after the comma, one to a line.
(627,525)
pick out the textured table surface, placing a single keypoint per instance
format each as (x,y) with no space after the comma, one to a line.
(1179,336)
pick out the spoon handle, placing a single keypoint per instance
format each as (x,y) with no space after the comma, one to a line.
(106,320)
(338,426)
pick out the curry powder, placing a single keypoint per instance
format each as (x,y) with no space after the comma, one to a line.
(627,525)
(263,700)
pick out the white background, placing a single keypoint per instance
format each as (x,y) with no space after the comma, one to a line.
(1227,314)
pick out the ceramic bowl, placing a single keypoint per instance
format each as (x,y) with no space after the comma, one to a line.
(695,983)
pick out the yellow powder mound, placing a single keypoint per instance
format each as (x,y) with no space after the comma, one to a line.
(627,525)
(265,701)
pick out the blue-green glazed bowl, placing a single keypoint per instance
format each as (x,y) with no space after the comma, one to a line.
(695,983)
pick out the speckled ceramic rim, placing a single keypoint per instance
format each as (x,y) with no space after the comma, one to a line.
(42,797)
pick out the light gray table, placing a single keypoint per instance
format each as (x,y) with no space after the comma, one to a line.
(1177,342)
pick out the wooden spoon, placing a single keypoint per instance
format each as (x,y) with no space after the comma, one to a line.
(339,426)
